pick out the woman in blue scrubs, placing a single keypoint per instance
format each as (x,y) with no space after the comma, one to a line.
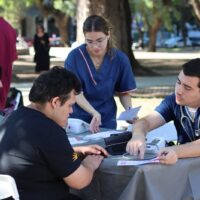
(103,71)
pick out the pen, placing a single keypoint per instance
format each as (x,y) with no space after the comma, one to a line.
(164,153)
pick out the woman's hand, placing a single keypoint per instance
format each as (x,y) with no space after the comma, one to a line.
(95,122)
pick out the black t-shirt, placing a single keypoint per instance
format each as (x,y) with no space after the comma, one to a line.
(36,152)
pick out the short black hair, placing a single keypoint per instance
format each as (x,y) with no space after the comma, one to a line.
(57,82)
(192,68)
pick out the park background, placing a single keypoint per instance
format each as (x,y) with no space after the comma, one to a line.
(158,36)
(150,89)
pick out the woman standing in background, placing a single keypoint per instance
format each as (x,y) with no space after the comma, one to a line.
(41,47)
(8,54)
(103,71)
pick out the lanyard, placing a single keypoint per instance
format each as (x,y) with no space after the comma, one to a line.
(192,130)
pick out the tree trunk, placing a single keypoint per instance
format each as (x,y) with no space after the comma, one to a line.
(81,14)
(196,6)
(60,17)
(119,15)
(153,34)
(62,21)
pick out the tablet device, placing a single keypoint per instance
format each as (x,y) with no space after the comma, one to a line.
(116,144)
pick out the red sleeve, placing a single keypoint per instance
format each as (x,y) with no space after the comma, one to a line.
(8,54)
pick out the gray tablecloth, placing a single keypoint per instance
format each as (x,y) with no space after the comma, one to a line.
(145,182)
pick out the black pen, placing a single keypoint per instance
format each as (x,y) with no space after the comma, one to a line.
(164,153)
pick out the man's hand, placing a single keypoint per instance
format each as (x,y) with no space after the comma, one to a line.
(95,122)
(91,149)
(136,145)
(92,162)
(167,156)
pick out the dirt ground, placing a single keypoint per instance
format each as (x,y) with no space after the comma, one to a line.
(23,70)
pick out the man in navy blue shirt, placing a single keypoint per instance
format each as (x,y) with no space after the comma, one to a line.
(183,108)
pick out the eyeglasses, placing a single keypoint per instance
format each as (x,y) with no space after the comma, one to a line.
(98,42)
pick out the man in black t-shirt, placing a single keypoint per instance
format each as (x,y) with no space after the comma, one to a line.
(34,148)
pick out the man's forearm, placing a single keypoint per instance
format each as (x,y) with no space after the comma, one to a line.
(141,127)
(191,149)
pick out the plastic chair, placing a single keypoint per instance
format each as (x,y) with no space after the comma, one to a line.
(8,187)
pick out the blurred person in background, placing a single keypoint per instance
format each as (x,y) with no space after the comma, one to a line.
(1,86)
(41,47)
(8,54)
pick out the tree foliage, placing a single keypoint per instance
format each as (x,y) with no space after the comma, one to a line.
(64,6)
(60,10)
(13,10)
(67,6)
(155,14)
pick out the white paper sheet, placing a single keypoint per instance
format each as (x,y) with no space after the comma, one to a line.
(77,126)
(136,162)
(74,140)
(129,114)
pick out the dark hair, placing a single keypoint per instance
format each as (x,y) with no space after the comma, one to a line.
(57,82)
(39,26)
(95,23)
(192,68)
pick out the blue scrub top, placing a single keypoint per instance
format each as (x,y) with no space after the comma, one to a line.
(99,86)
(187,129)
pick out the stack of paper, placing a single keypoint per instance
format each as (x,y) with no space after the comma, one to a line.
(136,162)
(74,140)
(129,114)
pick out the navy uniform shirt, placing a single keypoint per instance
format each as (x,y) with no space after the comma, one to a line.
(99,86)
(187,129)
